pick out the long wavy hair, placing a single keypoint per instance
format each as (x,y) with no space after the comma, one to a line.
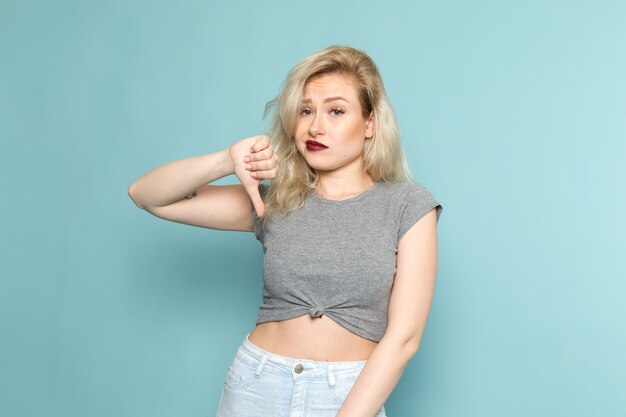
(383,154)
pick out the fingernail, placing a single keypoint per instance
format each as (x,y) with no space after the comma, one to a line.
(253,174)
(248,166)
(246,159)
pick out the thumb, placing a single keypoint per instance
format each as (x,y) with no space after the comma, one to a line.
(255,197)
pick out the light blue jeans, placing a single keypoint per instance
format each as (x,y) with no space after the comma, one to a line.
(262,384)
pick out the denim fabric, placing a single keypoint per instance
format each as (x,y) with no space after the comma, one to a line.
(262,384)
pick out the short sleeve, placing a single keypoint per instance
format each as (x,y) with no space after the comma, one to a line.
(416,202)
(256,221)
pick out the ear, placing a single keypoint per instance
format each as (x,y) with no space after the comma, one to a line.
(370,127)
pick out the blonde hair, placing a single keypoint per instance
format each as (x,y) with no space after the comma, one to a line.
(383,154)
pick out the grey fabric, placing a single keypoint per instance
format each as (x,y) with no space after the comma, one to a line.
(338,258)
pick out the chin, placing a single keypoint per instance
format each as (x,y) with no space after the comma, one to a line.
(314,160)
(322,167)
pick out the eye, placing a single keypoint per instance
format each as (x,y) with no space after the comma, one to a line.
(303,112)
(337,111)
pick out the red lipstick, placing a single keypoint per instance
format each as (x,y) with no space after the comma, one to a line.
(312,145)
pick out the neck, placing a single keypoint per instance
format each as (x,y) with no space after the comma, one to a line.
(338,188)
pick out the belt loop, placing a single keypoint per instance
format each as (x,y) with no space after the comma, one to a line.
(331,376)
(259,368)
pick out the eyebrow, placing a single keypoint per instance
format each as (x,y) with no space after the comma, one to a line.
(329,99)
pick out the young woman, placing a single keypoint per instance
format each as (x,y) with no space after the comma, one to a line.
(349,241)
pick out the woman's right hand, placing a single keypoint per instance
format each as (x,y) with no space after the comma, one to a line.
(262,162)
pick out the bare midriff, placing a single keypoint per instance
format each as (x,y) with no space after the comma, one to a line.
(318,339)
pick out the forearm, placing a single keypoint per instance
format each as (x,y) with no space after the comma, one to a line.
(171,182)
(377,379)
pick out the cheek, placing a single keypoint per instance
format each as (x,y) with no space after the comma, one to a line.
(299,131)
(353,135)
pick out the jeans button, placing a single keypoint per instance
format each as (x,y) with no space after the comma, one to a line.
(299,368)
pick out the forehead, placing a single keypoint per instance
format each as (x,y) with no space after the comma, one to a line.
(330,84)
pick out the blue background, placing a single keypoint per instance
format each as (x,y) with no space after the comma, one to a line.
(512,113)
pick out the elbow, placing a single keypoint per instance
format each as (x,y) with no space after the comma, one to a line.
(405,347)
(131,194)
(411,347)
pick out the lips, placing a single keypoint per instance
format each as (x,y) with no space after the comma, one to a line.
(313,145)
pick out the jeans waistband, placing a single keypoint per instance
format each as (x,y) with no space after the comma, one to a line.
(262,359)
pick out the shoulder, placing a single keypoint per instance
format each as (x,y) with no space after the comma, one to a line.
(412,202)
(416,191)
(405,192)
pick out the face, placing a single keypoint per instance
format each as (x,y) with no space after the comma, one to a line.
(330,114)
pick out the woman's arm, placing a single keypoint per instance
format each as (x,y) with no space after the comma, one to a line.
(179,192)
(409,306)
(173,181)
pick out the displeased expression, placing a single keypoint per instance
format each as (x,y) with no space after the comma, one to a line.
(330,114)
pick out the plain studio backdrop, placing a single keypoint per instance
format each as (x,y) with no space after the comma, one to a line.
(512,113)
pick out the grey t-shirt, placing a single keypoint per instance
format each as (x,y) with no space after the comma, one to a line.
(338,258)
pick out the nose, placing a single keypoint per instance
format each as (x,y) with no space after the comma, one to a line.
(316,127)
